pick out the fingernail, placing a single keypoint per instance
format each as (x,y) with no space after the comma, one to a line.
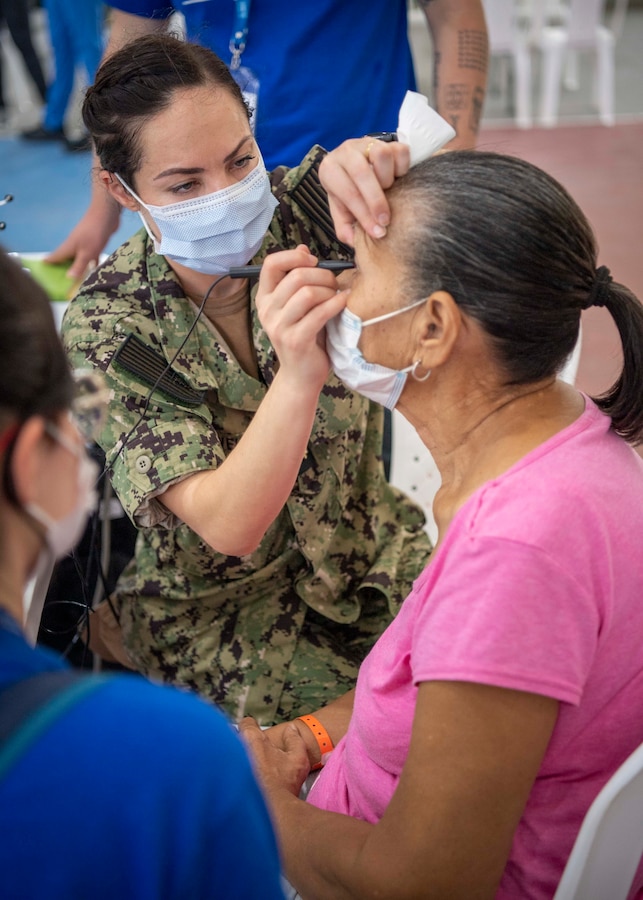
(383,219)
(378,231)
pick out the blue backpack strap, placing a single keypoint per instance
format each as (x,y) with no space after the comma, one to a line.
(29,707)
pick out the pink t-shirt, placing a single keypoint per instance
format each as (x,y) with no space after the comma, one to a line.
(538,586)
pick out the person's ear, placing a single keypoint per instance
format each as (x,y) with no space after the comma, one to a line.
(28,460)
(116,190)
(440,322)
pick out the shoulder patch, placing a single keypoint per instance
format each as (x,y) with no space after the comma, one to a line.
(311,197)
(138,359)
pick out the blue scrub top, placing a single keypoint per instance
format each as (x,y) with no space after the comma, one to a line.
(135,792)
(328,70)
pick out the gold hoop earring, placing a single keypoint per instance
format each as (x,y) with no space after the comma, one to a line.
(414,374)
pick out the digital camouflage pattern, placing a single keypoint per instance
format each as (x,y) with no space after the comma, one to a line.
(283,629)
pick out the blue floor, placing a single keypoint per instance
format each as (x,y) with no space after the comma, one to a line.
(51,188)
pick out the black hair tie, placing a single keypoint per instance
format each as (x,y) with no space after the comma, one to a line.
(600,289)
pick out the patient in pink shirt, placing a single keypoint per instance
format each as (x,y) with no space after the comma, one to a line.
(510,686)
(567,625)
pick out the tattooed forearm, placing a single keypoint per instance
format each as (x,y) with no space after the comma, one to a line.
(460,61)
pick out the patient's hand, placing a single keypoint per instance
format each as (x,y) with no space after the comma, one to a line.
(279,754)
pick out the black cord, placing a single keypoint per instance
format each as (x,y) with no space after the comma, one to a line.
(109,463)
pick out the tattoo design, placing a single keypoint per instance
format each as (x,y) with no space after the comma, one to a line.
(456,96)
(476,109)
(437,59)
(472,50)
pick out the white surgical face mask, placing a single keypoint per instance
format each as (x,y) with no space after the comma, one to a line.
(62,535)
(210,234)
(376,382)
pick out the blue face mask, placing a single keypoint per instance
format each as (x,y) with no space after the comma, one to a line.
(211,234)
(371,380)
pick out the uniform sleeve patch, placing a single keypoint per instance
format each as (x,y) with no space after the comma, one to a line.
(152,369)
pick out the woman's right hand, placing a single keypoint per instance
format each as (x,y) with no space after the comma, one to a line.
(295,300)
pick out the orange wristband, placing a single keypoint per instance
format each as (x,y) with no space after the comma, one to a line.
(321,736)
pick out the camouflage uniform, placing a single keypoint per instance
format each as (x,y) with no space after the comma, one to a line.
(284,628)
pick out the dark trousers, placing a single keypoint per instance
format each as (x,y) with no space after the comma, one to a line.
(16,14)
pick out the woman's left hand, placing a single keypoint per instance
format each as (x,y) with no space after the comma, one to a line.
(355,176)
(278,767)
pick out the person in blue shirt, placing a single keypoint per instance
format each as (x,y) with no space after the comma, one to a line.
(326,71)
(114,787)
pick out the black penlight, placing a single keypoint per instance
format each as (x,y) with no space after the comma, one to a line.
(335,265)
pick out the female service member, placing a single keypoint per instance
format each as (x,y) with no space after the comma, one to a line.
(271,551)
(507,690)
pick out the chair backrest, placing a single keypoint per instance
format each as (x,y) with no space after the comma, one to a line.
(535,14)
(584,18)
(413,469)
(609,846)
(570,369)
(502,24)
(617,21)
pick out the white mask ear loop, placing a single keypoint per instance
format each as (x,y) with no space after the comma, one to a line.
(133,194)
(395,312)
(130,190)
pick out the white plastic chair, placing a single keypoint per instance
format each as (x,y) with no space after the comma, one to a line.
(583,30)
(509,36)
(609,846)
(413,470)
(570,369)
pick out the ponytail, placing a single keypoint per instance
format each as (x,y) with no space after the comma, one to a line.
(623,402)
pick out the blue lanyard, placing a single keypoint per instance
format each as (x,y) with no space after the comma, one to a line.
(239,31)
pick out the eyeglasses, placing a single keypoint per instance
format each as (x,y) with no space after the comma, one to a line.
(89,406)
